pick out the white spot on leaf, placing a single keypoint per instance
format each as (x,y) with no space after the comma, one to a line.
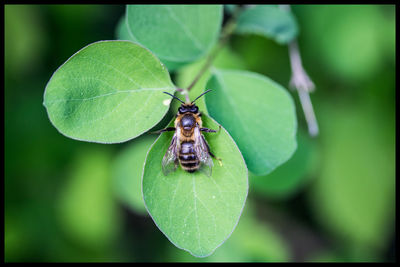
(166,102)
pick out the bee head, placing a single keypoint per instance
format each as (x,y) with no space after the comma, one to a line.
(188,107)
(192,108)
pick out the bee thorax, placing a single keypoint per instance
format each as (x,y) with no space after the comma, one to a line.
(188,122)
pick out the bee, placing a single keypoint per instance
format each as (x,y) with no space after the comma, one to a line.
(188,147)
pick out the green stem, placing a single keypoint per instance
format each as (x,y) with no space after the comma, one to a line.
(225,35)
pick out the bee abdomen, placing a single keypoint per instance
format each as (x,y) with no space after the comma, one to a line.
(190,166)
(189,161)
(188,158)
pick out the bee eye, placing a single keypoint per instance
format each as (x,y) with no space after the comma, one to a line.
(195,109)
(182,110)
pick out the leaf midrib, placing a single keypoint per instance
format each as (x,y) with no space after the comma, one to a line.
(107,94)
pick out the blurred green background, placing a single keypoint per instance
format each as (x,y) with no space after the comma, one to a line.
(334,200)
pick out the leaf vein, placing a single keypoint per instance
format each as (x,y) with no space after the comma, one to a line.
(185,29)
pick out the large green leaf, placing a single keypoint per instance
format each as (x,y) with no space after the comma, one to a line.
(175,33)
(196,212)
(128,170)
(269,21)
(122,33)
(252,241)
(108,92)
(258,113)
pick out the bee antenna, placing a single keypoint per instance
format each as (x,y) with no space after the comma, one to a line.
(201,95)
(174,97)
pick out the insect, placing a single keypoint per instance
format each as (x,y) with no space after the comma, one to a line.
(188,148)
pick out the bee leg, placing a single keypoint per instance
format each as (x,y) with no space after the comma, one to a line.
(168,129)
(211,130)
(207,130)
(212,155)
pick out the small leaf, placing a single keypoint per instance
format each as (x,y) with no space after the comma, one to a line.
(196,212)
(255,240)
(23,46)
(269,21)
(128,170)
(108,92)
(291,176)
(230,8)
(177,34)
(86,208)
(258,113)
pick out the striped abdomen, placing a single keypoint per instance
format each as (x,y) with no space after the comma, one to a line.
(187,157)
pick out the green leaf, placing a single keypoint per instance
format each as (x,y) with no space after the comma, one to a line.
(86,208)
(108,92)
(258,113)
(355,40)
(269,21)
(23,46)
(230,8)
(177,34)
(252,241)
(354,197)
(255,240)
(128,170)
(291,176)
(196,212)
(122,33)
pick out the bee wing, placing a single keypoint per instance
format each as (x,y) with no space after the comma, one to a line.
(170,161)
(201,148)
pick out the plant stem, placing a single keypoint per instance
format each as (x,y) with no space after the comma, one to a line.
(302,83)
(184,92)
(304,86)
(305,101)
(225,35)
